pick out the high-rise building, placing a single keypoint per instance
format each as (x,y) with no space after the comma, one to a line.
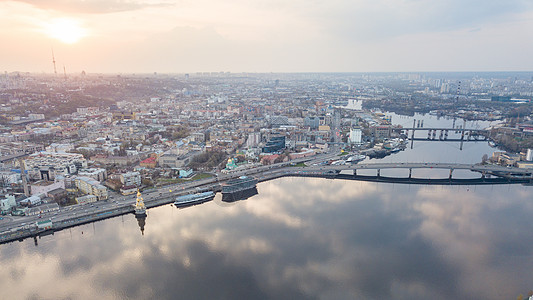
(356,136)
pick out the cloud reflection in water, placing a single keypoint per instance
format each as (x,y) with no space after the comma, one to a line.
(298,239)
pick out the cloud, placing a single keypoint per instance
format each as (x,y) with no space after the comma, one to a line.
(381,19)
(92,6)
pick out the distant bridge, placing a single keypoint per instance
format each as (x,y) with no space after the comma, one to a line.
(9,157)
(441,134)
(490,174)
(441,129)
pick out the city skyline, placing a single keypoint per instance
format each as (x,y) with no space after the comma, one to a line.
(256,36)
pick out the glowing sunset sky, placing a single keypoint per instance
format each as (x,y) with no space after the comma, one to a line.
(266,35)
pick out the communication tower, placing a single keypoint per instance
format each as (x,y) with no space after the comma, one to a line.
(54,61)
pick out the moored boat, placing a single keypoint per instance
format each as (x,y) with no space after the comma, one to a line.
(192,199)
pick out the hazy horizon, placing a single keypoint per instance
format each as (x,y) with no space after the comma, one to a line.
(258,36)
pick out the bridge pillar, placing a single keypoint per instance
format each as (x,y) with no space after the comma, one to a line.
(413,134)
(451,173)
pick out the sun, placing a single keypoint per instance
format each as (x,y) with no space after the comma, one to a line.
(67,31)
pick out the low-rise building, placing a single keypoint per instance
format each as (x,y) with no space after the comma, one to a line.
(44,186)
(8,204)
(508,159)
(86,199)
(92,187)
(381,132)
(131,179)
(41,209)
(169,160)
(48,165)
(128,190)
(184,173)
(9,177)
(525,164)
(150,162)
(58,195)
(97,174)
(31,201)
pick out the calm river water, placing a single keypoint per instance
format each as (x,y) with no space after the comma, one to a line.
(299,239)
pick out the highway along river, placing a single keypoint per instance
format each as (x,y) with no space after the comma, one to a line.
(298,238)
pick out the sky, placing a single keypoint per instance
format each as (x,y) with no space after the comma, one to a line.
(186,36)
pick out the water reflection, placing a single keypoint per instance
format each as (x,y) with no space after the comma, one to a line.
(298,238)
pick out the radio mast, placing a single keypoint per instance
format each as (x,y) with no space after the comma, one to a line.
(54,62)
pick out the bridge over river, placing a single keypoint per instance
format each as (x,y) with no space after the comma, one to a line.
(80,214)
(490,174)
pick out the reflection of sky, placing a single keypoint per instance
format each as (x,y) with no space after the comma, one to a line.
(298,238)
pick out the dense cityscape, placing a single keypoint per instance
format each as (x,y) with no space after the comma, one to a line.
(80,148)
(87,138)
(349,149)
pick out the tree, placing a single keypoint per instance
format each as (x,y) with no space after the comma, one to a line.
(279,159)
(484,158)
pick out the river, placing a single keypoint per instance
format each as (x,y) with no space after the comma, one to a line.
(299,238)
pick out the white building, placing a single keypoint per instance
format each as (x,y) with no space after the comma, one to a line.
(94,173)
(48,165)
(356,136)
(131,179)
(32,200)
(61,148)
(92,187)
(9,177)
(254,138)
(86,199)
(7,204)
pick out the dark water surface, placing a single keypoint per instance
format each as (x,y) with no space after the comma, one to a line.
(299,238)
